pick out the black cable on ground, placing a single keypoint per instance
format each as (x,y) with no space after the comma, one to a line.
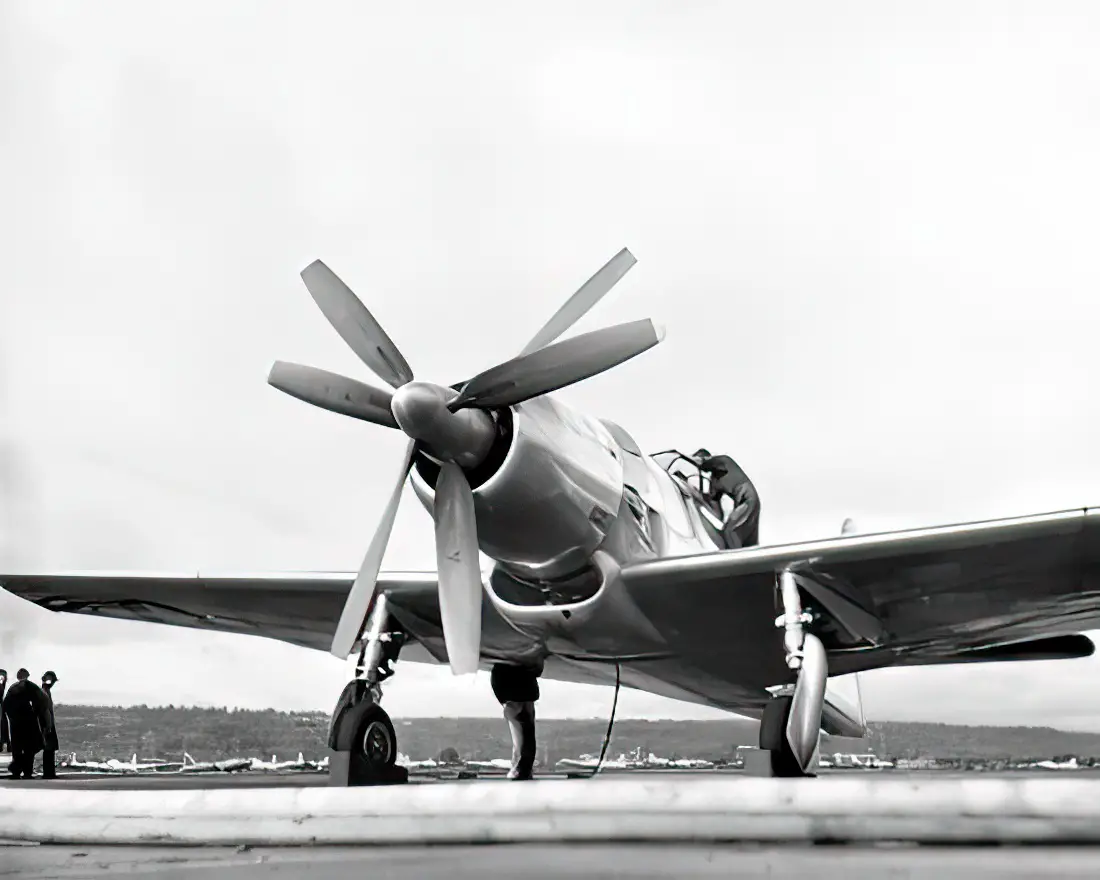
(610,725)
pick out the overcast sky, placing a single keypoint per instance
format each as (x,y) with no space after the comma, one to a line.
(869,228)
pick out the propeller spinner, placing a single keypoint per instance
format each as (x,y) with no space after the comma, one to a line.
(455,427)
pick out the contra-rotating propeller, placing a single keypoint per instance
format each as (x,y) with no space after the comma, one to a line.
(455,427)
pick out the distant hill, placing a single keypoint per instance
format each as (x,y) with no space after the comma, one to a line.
(100,732)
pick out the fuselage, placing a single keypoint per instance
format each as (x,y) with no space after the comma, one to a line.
(563,502)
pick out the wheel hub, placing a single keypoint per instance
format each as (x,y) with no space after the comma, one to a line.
(376,743)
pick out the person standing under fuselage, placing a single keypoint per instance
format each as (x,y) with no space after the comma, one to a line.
(517,690)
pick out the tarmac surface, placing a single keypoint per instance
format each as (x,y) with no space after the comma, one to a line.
(526,860)
(144,781)
(548,862)
(318,779)
(305,779)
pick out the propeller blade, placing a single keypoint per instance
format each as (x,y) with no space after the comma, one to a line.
(337,394)
(356,326)
(558,365)
(459,569)
(359,597)
(590,293)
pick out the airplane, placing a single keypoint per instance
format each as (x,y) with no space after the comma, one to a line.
(609,565)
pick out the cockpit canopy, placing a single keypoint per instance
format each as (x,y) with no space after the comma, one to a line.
(683,466)
(694,484)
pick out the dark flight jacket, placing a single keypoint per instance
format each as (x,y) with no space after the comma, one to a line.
(514,684)
(5,740)
(26,710)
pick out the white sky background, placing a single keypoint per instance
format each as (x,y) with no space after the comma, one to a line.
(870,229)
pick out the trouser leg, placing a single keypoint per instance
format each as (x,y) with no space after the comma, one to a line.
(521,722)
(49,769)
(732,537)
(22,763)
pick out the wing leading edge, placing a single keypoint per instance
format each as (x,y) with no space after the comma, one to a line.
(300,608)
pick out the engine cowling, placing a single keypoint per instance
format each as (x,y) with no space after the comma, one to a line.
(548,493)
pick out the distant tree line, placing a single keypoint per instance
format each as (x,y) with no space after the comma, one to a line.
(101,732)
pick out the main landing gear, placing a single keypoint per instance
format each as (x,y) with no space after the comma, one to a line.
(361,739)
(790,729)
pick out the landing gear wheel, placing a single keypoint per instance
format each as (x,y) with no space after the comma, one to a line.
(773,738)
(376,740)
(364,748)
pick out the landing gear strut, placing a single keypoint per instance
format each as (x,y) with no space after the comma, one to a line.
(790,730)
(362,740)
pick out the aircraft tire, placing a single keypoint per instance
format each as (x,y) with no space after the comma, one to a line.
(374,742)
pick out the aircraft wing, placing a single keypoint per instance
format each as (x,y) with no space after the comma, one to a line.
(927,596)
(301,608)
(941,595)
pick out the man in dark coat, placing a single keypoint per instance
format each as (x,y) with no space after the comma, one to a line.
(5,740)
(25,707)
(742,525)
(49,731)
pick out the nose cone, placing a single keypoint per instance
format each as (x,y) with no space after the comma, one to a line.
(420,408)
(464,437)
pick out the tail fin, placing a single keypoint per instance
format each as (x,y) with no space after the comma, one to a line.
(849,527)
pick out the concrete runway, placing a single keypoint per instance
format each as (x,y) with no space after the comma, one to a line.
(135,782)
(549,862)
(168,781)
(214,780)
(533,860)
